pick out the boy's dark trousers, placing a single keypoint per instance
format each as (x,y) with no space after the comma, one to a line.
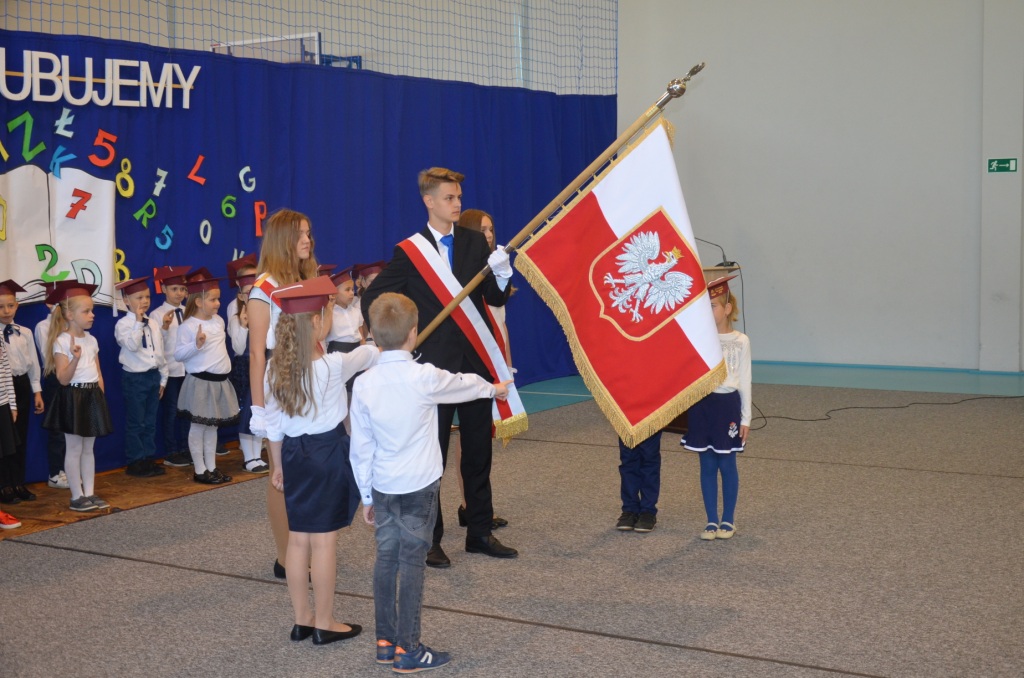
(175,428)
(55,439)
(640,471)
(141,401)
(23,396)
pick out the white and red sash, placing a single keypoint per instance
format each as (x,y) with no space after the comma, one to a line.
(509,415)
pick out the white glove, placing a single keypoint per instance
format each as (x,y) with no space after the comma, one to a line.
(499,263)
(257,425)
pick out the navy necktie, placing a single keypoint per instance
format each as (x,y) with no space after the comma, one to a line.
(8,331)
(449,242)
(179,315)
(145,328)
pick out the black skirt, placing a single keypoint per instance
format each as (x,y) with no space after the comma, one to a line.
(320,492)
(80,410)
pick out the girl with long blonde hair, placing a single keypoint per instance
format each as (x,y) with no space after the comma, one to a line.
(306,405)
(286,257)
(79,407)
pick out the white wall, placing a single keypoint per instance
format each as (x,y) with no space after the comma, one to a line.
(835,150)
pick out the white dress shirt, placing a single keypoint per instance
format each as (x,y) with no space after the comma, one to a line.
(170,337)
(394,422)
(330,372)
(238,335)
(22,355)
(345,324)
(275,310)
(213,356)
(134,357)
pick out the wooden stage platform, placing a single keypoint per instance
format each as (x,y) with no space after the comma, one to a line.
(50,508)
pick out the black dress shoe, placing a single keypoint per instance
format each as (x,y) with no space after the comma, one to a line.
(496,522)
(205,478)
(489,546)
(7,496)
(140,469)
(436,557)
(221,478)
(322,637)
(23,493)
(157,469)
(300,632)
(279,570)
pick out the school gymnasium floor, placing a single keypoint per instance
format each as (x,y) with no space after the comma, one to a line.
(880,524)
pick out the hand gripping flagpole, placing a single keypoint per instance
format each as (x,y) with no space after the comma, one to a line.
(675,89)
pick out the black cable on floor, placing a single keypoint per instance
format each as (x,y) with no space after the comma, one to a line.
(828,415)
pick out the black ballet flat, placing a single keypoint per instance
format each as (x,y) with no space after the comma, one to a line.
(322,637)
(300,632)
(279,571)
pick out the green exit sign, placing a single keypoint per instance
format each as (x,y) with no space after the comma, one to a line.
(1002,164)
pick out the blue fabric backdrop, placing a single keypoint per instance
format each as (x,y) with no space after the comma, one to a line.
(342,146)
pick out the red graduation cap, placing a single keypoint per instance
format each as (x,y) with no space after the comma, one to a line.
(248,261)
(65,289)
(201,280)
(719,286)
(308,296)
(325,269)
(171,275)
(10,287)
(343,276)
(134,285)
(363,270)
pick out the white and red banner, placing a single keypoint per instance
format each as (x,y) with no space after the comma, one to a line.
(509,416)
(620,270)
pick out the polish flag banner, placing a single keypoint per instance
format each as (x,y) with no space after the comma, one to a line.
(619,268)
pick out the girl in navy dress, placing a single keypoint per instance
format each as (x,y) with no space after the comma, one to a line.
(717,426)
(79,408)
(207,398)
(306,405)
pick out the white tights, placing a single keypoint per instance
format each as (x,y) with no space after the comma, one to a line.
(202,443)
(80,465)
(249,445)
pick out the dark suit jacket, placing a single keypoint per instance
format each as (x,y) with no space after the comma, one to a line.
(447,347)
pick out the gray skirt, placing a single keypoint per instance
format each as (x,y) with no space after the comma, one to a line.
(211,403)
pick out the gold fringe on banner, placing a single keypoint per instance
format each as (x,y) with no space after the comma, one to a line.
(507,428)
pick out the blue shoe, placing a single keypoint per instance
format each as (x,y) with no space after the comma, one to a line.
(386,652)
(421,659)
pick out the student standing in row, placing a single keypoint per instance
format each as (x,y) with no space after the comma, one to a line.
(27,389)
(79,407)
(143,377)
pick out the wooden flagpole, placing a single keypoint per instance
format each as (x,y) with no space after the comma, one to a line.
(674,90)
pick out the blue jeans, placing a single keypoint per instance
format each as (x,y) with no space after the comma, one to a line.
(175,429)
(640,471)
(405,527)
(141,401)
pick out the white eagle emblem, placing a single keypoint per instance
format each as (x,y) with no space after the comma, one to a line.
(645,284)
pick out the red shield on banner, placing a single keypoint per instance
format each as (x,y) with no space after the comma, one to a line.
(646,278)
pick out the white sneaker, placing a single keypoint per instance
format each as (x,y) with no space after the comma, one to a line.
(59,481)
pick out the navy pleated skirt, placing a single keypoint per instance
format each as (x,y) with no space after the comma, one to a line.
(320,492)
(713,424)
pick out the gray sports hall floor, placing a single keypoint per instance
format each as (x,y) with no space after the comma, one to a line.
(882,542)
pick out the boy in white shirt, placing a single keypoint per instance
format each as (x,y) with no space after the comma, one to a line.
(170,315)
(396,460)
(143,377)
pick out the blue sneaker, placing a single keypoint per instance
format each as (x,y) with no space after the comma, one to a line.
(421,659)
(386,652)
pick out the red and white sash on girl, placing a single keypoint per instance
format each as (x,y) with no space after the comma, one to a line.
(509,415)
